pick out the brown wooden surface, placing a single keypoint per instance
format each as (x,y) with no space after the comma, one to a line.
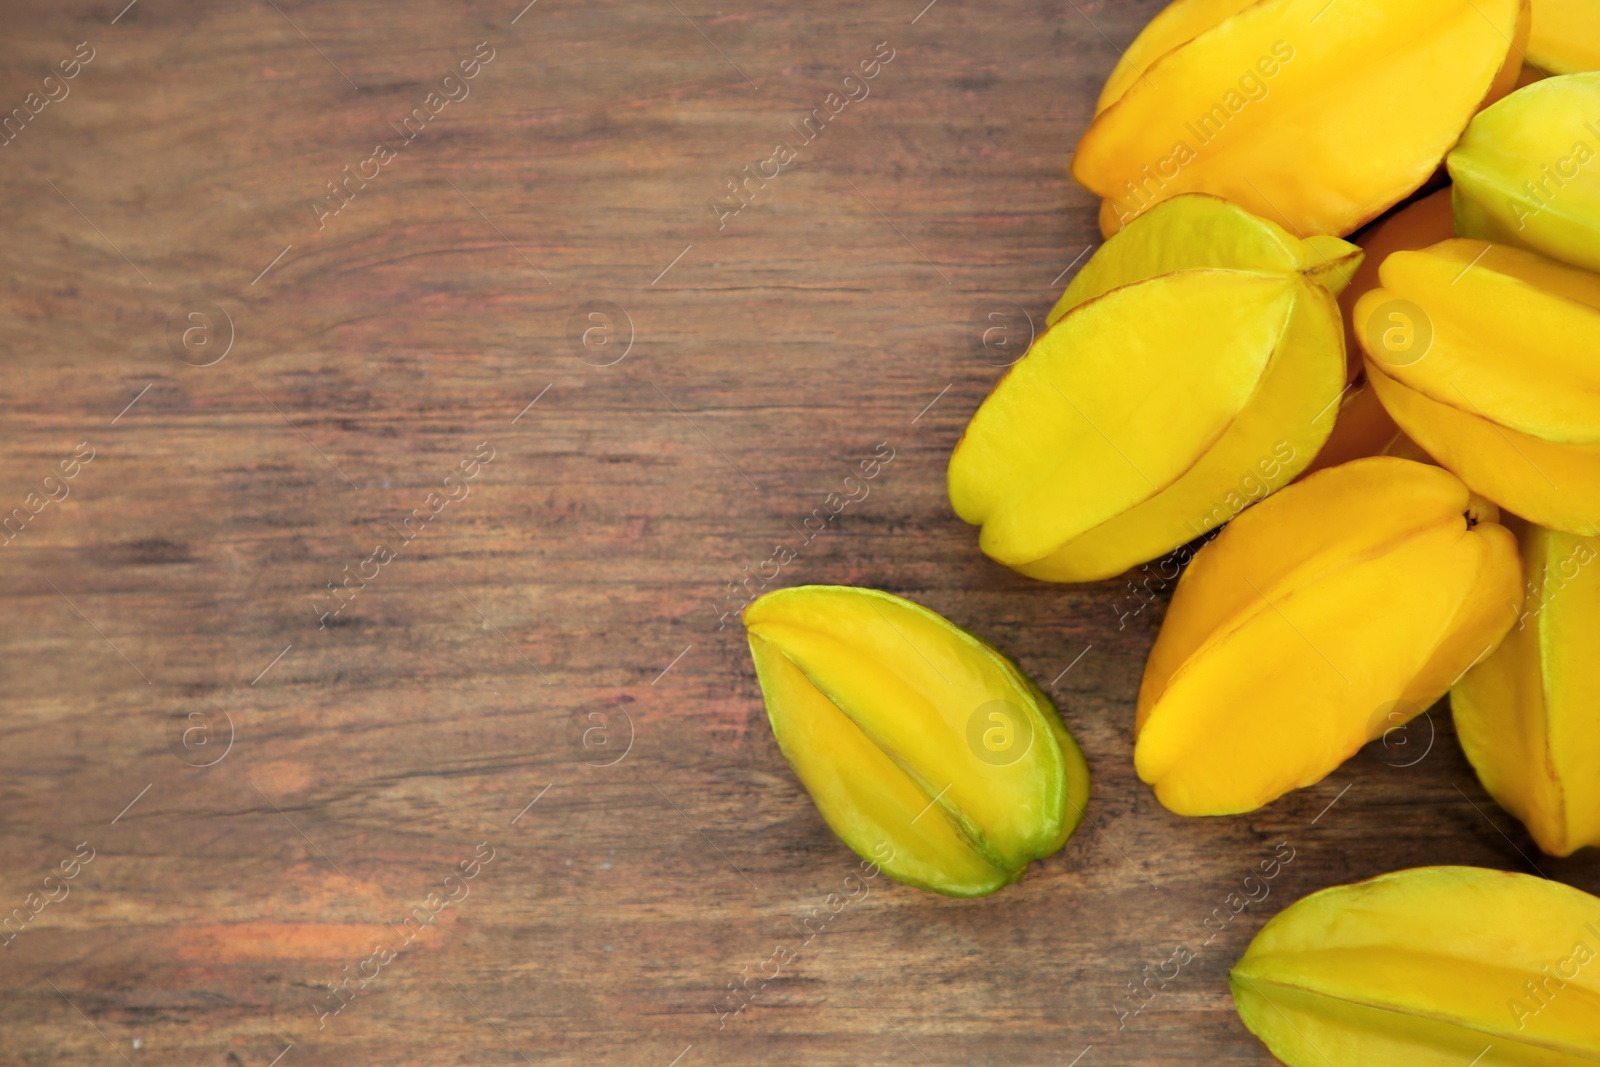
(470,677)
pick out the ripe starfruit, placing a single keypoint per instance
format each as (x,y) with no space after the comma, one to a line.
(1430,967)
(1363,429)
(1318,115)
(1315,622)
(928,752)
(1485,356)
(1527,171)
(1419,224)
(1193,365)
(1529,715)
(1565,36)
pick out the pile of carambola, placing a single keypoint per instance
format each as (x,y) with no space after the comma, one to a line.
(1418,415)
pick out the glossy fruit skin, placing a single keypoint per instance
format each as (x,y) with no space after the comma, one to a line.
(1418,225)
(1429,967)
(1316,621)
(1529,75)
(1192,367)
(1565,36)
(1483,355)
(1527,171)
(1173,26)
(1528,716)
(1318,117)
(1197,231)
(1362,429)
(928,752)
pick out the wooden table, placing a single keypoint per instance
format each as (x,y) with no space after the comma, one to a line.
(529,681)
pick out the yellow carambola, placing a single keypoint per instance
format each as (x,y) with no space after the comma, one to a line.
(1527,171)
(1318,116)
(1485,356)
(1316,621)
(927,751)
(1199,350)
(1529,715)
(1430,967)
(1565,37)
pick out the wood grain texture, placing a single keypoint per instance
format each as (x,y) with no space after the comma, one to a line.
(522,639)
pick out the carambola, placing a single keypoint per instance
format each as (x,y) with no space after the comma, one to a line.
(1193,365)
(1430,967)
(927,751)
(1316,621)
